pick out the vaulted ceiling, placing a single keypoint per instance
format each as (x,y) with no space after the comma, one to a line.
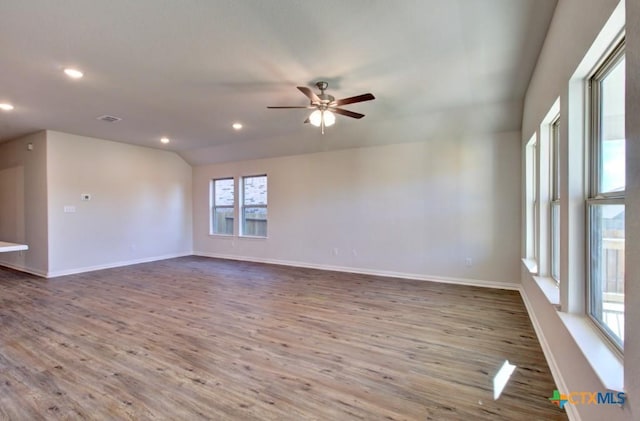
(189,69)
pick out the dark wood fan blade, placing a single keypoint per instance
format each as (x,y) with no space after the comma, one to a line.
(301,106)
(310,94)
(354,99)
(346,113)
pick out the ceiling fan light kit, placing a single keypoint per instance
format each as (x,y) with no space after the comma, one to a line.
(325,106)
(326,118)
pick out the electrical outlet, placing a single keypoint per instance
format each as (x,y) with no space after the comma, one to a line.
(335,251)
(468,262)
(85,196)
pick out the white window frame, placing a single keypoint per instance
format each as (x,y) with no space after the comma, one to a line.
(214,206)
(531,201)
(595,196)
(554,200)
(244,205)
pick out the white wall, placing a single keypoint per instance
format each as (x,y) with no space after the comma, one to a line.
(575,27)
(140,207)
(23,202)
(632,227)
(415,209)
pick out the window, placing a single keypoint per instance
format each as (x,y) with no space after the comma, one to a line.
(554,225)
(531,212)
(222,206)
(254,206)
(605,204)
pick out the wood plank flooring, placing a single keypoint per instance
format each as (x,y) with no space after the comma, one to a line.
(198,338)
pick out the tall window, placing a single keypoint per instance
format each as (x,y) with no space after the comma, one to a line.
(606,208)
(554,225)
(222,206)
(531,213)
(254,206)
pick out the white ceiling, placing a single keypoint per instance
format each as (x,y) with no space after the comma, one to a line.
(188,69)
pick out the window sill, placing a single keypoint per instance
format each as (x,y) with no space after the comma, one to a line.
(606,362)
(531,265)
(234,236)
(549,288)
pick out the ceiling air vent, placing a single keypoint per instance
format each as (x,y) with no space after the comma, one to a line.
(109,118)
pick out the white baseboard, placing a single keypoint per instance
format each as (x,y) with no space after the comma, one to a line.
(74,271)
(24,269)
(392,274)
(403,275)
(572,413)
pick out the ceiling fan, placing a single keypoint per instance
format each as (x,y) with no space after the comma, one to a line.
(326,105)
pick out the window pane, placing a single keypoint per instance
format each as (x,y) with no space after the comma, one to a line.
(254,221)
(607,267)
(223,221)
(555,164)
(255,190)
(531,200)
(555,241)
(612,111)
(223,190)
(535,231)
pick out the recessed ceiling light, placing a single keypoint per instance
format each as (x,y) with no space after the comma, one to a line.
(6,106)
(237,126)
(165,140)
(73,73)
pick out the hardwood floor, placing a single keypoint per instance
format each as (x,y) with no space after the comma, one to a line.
(199,338)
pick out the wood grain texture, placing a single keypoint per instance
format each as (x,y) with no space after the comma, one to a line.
(200,338)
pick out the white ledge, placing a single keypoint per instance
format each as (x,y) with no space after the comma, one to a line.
(606,363)
(531,265)
(549,288)
(6,247)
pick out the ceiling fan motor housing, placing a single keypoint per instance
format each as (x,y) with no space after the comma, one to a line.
(325,99)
